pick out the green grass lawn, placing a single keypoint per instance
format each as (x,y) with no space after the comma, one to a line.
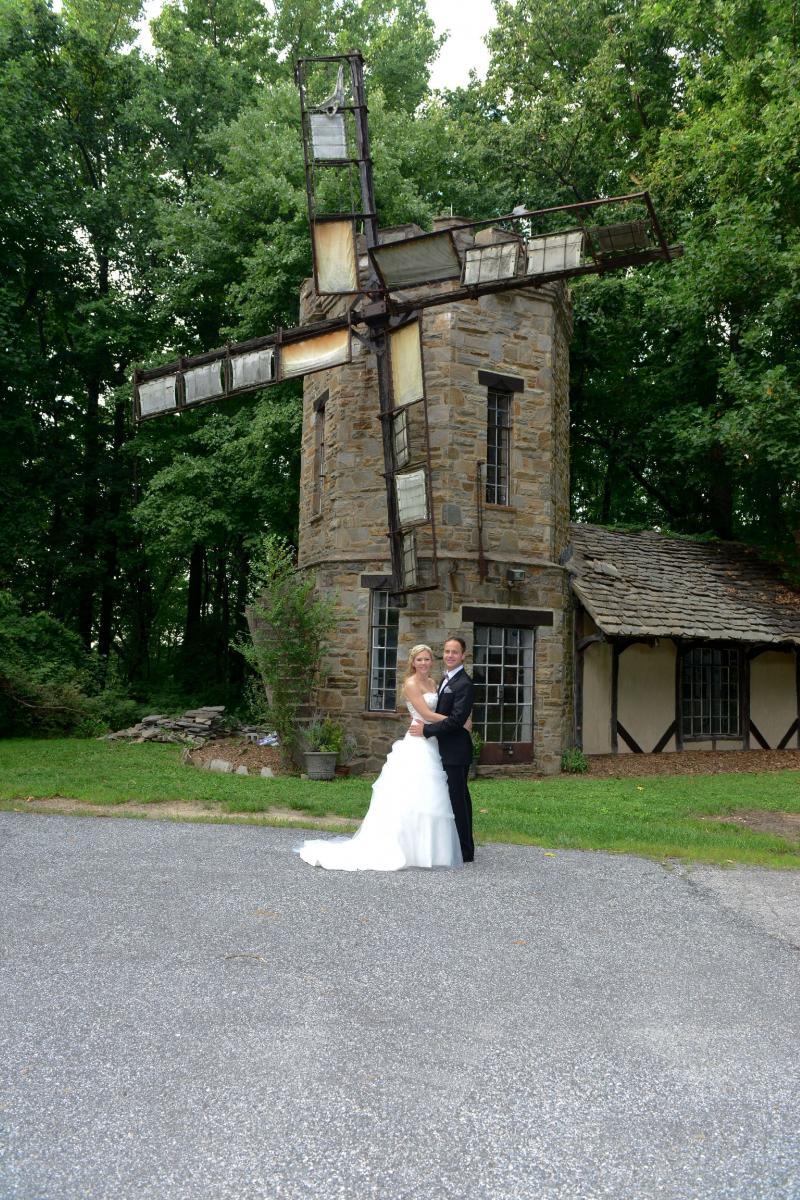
(659,816)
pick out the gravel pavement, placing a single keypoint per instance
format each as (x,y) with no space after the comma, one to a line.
(189,1012)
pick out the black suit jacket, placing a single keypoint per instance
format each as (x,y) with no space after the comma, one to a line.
(455,701)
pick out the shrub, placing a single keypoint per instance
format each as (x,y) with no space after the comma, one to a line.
(49,684)
(290,629)
(574,762)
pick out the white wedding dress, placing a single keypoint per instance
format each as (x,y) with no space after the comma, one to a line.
(409,823)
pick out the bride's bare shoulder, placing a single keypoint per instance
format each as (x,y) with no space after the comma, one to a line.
(411,687)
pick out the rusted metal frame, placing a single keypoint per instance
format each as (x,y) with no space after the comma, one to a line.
(298,333)
(381,350)
(365,156)
(396,529)
(423,237)
(310,194)
(363,161)
(329,218)
(429,477)
(396,308)
(542,212)
(473,291)
(483,568)
(656,224)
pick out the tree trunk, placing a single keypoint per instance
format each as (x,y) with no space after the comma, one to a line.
(87,582)
(109,588)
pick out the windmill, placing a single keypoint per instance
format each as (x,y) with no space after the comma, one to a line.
(379,297)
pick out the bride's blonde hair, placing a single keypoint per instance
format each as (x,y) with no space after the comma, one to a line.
(412,654)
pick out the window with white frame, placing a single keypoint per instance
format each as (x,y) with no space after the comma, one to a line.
(498,445)
(384,620)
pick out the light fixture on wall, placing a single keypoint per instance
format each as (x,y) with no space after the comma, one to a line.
(515,577)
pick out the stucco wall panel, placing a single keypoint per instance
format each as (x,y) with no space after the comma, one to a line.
(773,695)
(646,698)
(597,699)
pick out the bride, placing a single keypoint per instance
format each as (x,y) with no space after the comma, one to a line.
(410,822)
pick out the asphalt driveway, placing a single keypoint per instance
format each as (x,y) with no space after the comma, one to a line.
(189,1012)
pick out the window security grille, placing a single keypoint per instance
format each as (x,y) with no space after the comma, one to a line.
(319,458)
(503,675)
(384,620)
(498,445)
(710,693)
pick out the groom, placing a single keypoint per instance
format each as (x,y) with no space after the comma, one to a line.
(455,699)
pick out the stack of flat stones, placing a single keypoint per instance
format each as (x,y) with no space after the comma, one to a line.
(194,728)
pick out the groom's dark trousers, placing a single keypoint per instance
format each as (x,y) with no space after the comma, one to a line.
(455,746)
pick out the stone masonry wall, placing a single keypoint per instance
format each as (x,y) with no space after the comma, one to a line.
(520,334)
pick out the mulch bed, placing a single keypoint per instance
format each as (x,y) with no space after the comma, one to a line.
(693,762)
(238,752)
(601,766)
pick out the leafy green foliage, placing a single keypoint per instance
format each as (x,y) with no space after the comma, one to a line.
(290,630)
(154,206)
(49,683)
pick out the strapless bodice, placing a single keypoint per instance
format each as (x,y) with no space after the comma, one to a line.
(430,700)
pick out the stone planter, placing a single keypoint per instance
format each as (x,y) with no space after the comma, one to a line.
(321,764)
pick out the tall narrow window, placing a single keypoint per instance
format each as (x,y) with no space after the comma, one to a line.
(384,619)
(498,445)
(710,692)
(503,674)
(319,453)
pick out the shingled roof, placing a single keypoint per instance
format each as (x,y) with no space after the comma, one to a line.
(649,585)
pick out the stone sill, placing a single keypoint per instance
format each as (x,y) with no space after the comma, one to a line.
(499,508)
(371,715)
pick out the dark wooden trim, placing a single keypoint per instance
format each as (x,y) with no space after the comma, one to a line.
(377,583)
(745,724)
(678,695)
(615,653)
(754,651)
(666,735)
(577,667)
(591,640)
(522,618)
(502,383)
(790,732)
(762,741)
(629,741)
(495,753)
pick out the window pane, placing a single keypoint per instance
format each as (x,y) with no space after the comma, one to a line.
(383,653)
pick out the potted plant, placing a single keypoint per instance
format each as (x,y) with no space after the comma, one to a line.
(477,746)
(323,743)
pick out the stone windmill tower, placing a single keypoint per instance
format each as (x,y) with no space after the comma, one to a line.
(497,400)
(435,465)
